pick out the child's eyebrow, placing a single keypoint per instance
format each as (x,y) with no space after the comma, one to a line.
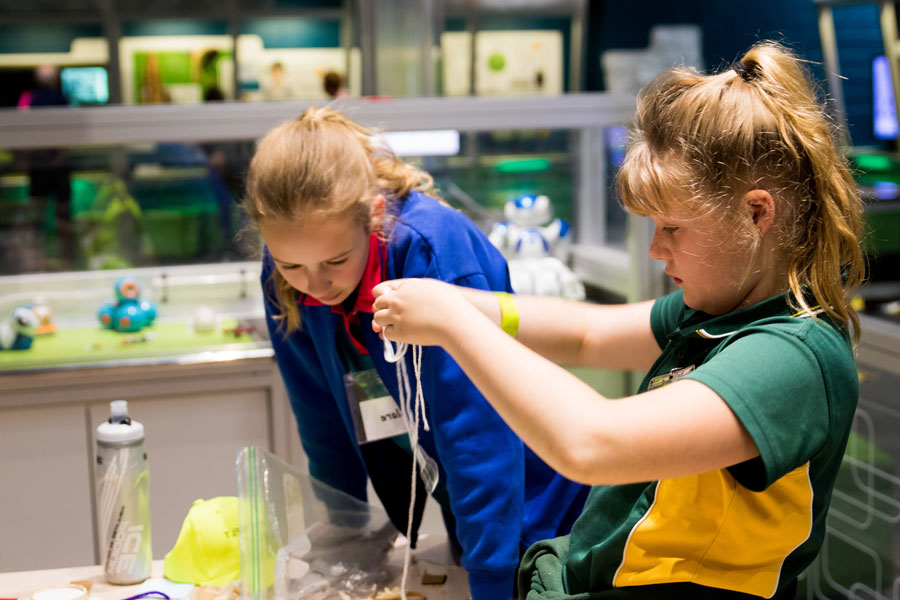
(278,260)
(339,256)
(291,264)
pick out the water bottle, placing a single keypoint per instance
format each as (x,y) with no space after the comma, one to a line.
(123,502)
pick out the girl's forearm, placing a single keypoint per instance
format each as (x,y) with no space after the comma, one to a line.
(578,333)
(522,386)
(552,327)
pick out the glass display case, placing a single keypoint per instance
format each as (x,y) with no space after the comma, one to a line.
(89,196)
(155,191)
(130,187)
(107,207)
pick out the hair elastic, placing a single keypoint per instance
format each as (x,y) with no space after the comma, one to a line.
(509,313)
(741,69)
(149,595)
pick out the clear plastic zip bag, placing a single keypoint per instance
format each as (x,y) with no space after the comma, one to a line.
(301,539)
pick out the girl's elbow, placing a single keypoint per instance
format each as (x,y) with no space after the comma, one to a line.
(586,462)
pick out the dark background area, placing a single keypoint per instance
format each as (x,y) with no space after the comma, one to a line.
(729,28)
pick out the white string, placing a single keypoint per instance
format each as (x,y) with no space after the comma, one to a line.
(412,411)
(390,354)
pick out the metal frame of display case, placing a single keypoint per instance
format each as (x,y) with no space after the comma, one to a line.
(887,16)
(623,272)
(57,127)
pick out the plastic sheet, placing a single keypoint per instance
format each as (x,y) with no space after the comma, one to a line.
(301,539)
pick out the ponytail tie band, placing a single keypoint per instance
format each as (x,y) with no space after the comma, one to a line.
(741,69)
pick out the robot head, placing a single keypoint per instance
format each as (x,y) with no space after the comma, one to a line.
(24,321)
(127,289)
(528,210)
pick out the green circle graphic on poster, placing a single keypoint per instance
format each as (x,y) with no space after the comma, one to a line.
(496,61)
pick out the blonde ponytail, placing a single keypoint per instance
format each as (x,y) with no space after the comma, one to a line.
(758,124)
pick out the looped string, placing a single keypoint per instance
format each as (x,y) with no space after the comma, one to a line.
(390,354)
(412,411)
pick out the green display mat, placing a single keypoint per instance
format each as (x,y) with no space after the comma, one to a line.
(96,345)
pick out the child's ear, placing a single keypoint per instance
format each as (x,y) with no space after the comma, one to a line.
(762,209)
(377,213)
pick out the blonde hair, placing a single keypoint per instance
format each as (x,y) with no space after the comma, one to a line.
(706,140)
(319,164)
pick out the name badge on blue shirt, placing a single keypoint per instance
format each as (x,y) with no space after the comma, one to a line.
(376,415)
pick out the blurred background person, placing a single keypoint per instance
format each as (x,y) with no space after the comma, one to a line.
(277,88)
(48,168)
(333,84)
(46,89)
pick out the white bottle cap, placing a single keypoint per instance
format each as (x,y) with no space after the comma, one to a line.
(119,429)
(118,409)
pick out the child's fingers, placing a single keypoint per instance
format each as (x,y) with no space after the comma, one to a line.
(382,300)
(380,320)
(383,293)
(386,286)
(380,289)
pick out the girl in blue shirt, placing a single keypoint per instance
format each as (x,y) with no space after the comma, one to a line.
(339,213)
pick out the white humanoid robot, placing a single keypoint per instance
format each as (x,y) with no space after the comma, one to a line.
(536,246)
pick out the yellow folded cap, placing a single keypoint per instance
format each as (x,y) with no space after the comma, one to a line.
(207,551)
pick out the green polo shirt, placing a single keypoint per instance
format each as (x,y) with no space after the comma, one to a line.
(750,528)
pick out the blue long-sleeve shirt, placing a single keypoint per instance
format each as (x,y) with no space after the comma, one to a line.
(501,494)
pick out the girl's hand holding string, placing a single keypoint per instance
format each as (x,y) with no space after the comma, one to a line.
(417,311)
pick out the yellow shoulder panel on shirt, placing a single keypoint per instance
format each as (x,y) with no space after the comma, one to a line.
(710,530)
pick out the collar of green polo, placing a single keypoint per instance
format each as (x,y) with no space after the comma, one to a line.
(698,324)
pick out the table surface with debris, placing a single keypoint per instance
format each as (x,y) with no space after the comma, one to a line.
(431,562)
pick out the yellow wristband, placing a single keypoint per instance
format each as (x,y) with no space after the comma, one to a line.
(509,313)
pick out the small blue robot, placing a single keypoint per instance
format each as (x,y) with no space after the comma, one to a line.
(129,313)
(18,332)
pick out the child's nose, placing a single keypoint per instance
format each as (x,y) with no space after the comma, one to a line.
(317,283)
(656,248)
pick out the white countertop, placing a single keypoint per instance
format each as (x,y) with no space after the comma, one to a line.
(432,555)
